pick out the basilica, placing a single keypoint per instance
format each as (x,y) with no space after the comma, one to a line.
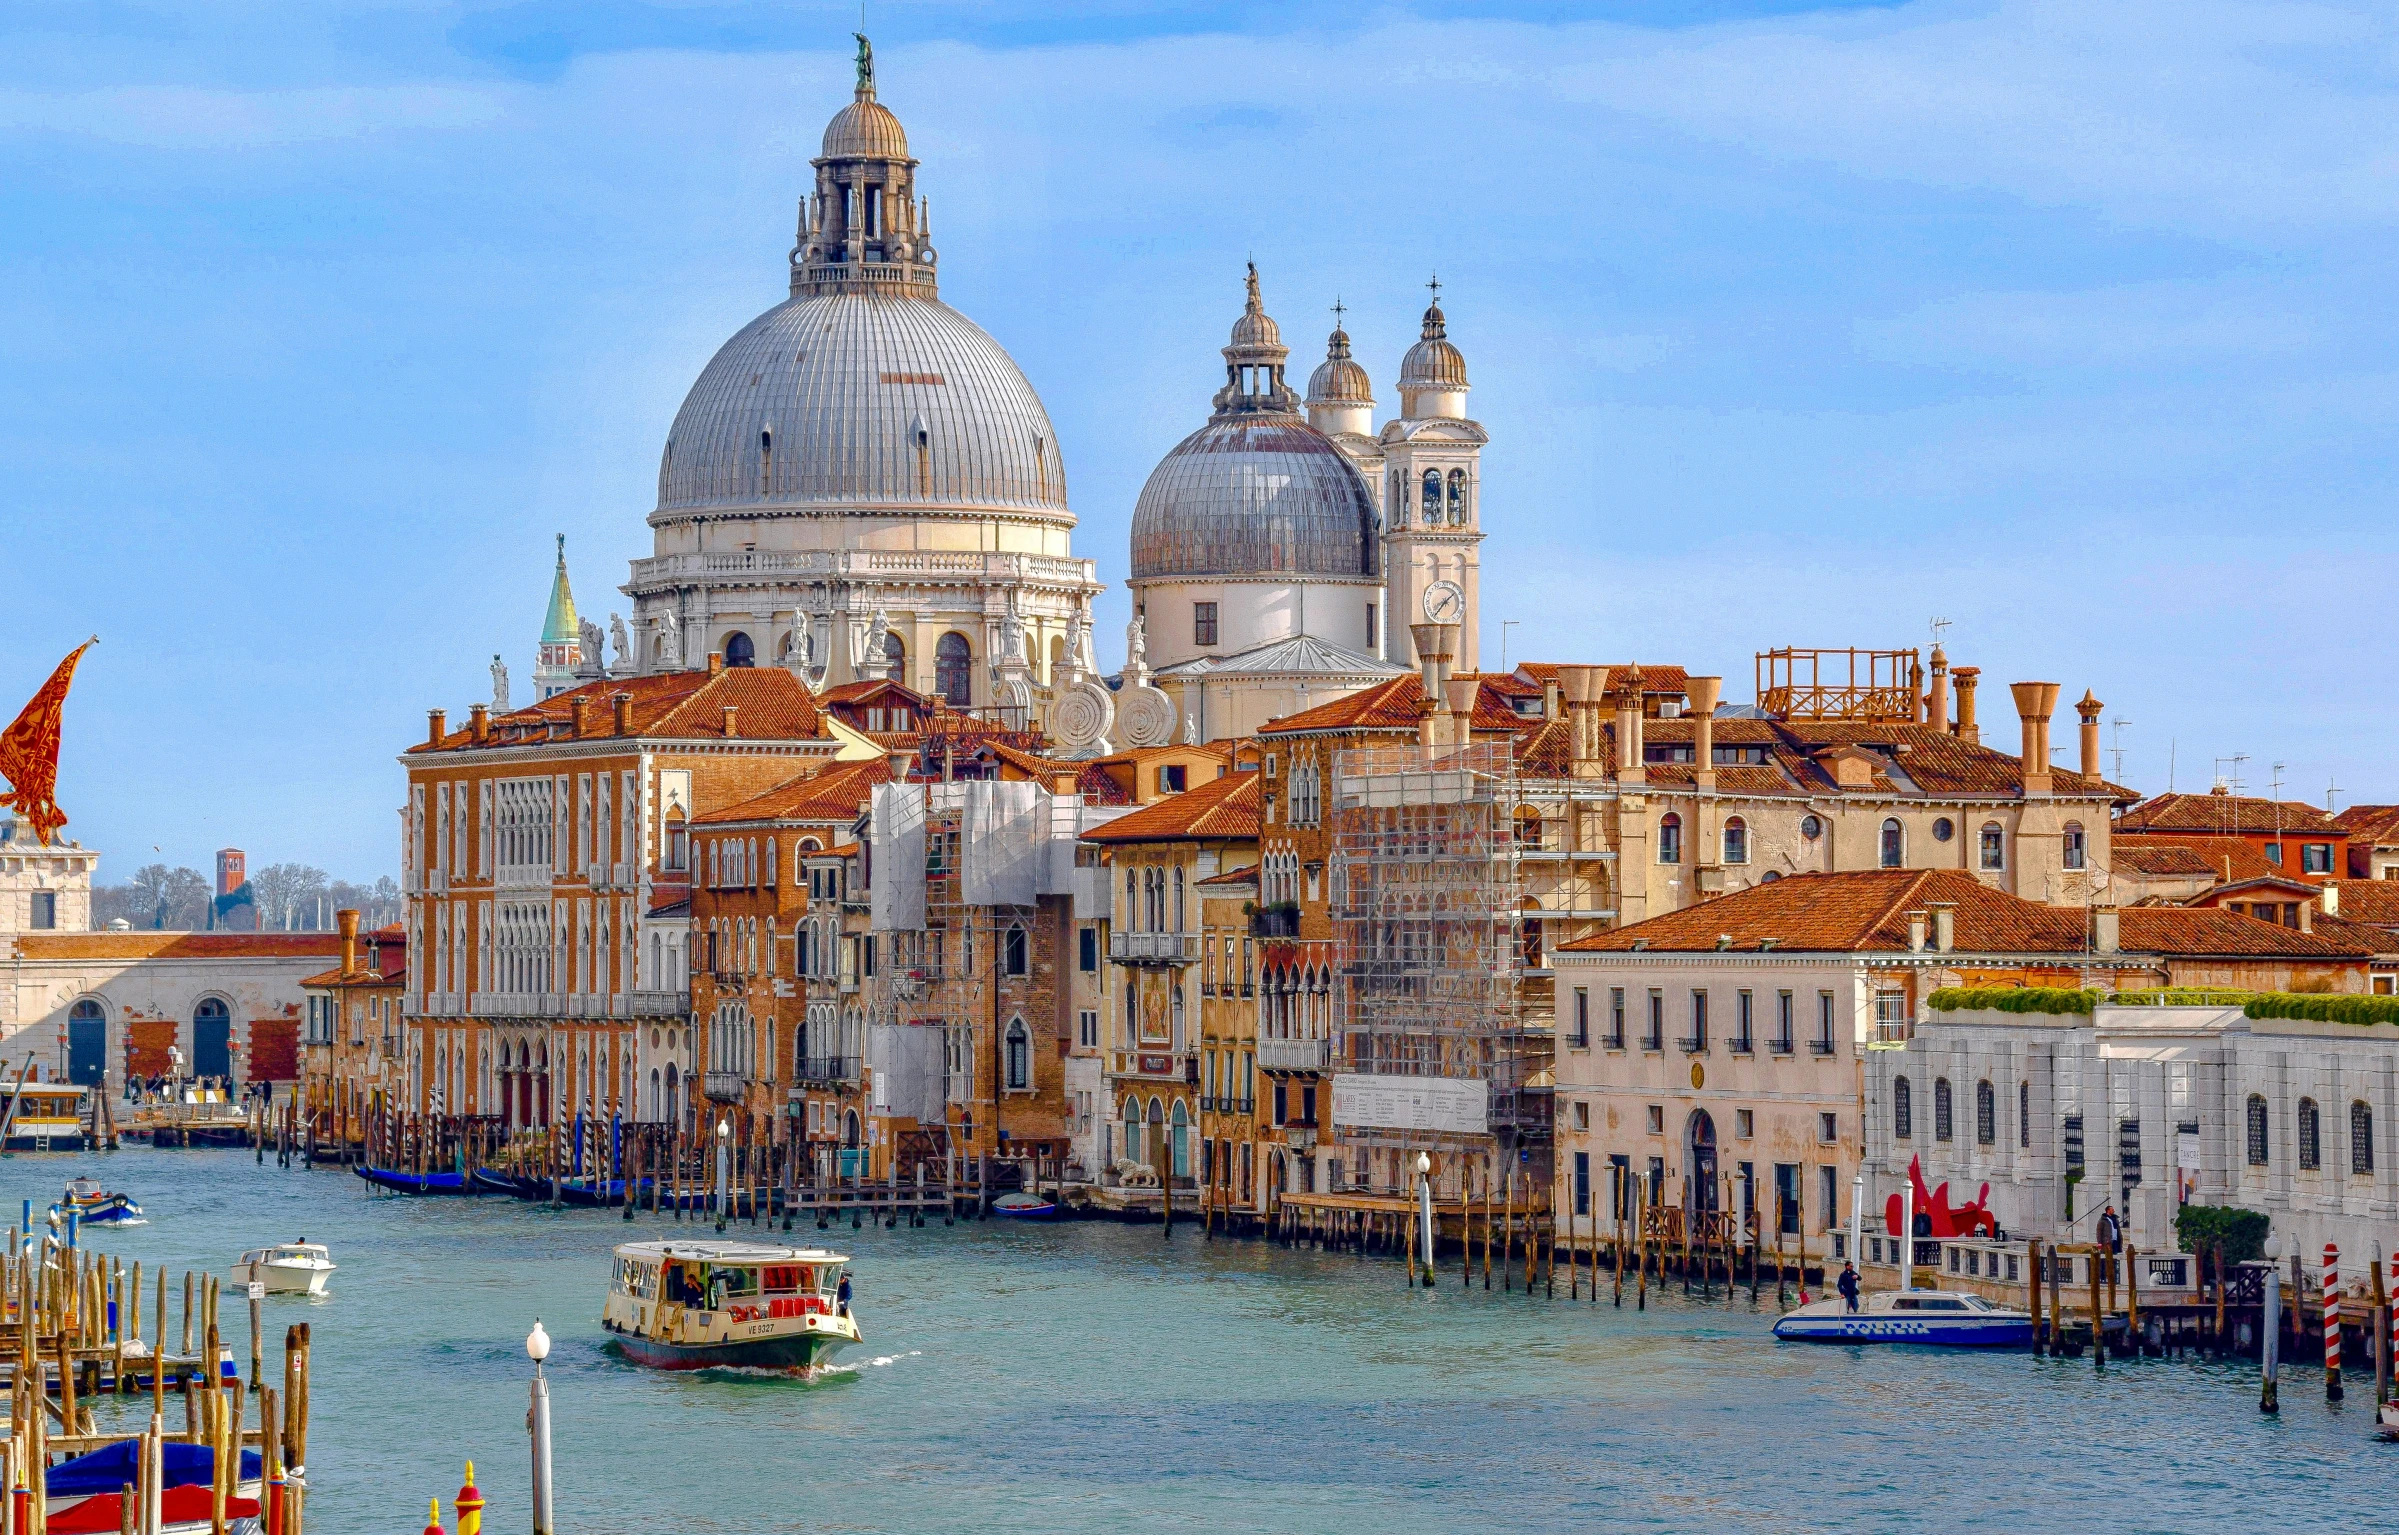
(863,485)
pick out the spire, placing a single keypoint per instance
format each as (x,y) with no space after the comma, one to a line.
(560,627)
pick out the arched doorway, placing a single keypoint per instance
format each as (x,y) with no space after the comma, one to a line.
(1699,1162)
(87,1043)
(739,651)
(212,1038)
(1182,1139)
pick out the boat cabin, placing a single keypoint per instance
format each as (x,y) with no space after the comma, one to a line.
(742,1281)
(41,1115)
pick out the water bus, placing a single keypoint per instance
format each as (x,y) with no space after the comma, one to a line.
(741,1305)
(42,1116)
(1942,1318)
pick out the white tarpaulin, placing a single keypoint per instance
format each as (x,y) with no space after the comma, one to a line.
(1442,1105)
(1000,851)
(897,826)
(909,1066)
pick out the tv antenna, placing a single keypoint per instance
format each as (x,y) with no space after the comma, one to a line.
(2117,750)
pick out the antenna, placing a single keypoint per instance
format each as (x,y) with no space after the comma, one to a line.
(1940,627)
(1504,626)
(2117,750)
(2172,744)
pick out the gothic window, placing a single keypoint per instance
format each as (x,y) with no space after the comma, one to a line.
(1941,1119)
(2257,1131)
(1020,1064)
(2361,1137)
(738,649)
(1014,955)
(1457,497)
(1903,1109)
(953,670)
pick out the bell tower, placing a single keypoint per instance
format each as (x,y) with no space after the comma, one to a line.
(1432,499)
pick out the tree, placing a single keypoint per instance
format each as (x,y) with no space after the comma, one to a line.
(155,897)
(286,893)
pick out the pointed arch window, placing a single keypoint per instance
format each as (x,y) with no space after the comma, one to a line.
(1986,1114)
(1015,957)
(1903,1109)
(2361,1137)
(1019,1055)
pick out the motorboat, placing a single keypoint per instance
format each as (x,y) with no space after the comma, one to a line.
(2386,1420)
(95,1206)
(294,1268)
(106,1471)
(736,1305)
(1939,1318)
(1025,1207)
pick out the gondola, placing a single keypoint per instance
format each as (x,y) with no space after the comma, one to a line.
(515,1185)
(583,1191)
(412,1183)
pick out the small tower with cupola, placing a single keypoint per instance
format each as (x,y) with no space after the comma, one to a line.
(1432,498)
(561,651)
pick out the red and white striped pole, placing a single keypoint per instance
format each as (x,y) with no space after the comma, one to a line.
(2332,1322)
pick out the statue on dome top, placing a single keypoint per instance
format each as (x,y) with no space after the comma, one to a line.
(866,65)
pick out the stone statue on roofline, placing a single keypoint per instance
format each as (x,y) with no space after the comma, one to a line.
(499,686)
(877,661)
(593,662)
(1137,650)
(669,656)
(624,649)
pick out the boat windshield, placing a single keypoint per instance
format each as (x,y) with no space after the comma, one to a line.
(1977,1303)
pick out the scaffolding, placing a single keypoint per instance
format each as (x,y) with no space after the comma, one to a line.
(1425,902)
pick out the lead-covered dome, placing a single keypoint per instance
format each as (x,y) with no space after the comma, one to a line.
(1433,363)
(860,399)
(1339,379)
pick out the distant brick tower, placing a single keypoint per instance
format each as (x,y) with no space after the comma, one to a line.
(561,637)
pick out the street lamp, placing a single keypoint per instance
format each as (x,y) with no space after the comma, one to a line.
(537,1422)
(724,1171)
(1424,1207)
(2269,1351)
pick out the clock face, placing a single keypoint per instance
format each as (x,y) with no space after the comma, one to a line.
(1444,602)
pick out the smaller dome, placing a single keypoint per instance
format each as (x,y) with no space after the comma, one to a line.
(1339,380)
(1432,363)
(865,130)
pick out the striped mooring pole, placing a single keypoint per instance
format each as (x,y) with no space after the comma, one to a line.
(2332,1322)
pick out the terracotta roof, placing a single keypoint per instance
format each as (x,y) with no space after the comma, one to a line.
(868,688)
(1656,681)
(1247,874)
(140,945)
(2374,901)
(834,792)
(1865,911)
(1393,705)
(2378,824)
(2222,858)
(675,906)
(769,703)
(2227,814)
(1221,808)
(2372,937)
(2288,884)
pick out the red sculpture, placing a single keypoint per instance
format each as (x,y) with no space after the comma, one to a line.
(1965,1221)
(29,751)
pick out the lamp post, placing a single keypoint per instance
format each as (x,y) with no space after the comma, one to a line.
(2268,1400)
(537,1346)
(724,1170)
(1424,1208)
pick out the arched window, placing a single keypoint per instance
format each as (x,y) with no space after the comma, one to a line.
(1894,845)
(1994,846)
(1736,840)
(895,658)
(677,839)
(738,649)
(1182,1140)
(1020,1055)
(2077,850)
(1432,497)
(2361,1137)
(2257,1131)
(1941,1121)
(1457,497)
(1014,952)
(1903,1109)
(1986,1114)
(953,670)
(1133,1148)
(1399,499)
(1178,878)
(2024,1114)
(2311,1137)
(1670,838)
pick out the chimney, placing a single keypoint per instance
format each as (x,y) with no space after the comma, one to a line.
(1586,689)
(2035,764)
(346,920)
(732,723)
(900,764)
(478,722)
(1945,926)
(2307,916)
(2330,894)
(716,662)
(1916,689)
(1065,783)
(1937,706)
(1462,691)
(579,714)
(1915,932)
(436,726)
(2089,710)
(1704,694)
(1631,765)
(624,713)
(1968,731)
(1553,700)
(2105,929)
(1435,644)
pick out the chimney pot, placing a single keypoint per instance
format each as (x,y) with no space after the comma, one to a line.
(478,722)
(346,922)
(732,722)
(2090,709)
(1704,694)
(623,703)
(716,662)
(1631,764)
(1945,926)
(1967,677)
(579,714)
(2034,701)
(1916,926)
(2331,896)
(1586,689)
(436,726)
(1937,704)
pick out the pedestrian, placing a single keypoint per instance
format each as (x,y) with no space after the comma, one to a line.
(1849,1285)
(2111,1231)
(843,1298)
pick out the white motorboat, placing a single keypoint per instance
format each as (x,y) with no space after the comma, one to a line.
(295,1268)
(1941,1318)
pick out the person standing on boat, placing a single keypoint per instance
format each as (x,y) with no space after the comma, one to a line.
(2111,1231)
(842,1298)
(1849,1285)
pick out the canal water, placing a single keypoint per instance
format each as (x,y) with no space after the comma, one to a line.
(1094,1377)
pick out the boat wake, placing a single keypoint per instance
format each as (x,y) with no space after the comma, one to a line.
(883,1363)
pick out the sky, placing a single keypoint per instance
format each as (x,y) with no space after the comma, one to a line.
(2070,324)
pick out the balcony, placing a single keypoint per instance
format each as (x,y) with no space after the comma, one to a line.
(723,1086)
(1294,1054)
(1743,1045)
(1778,1047)
(1827,1047)
(1278,921)
(658,1004)
(1154,948)
(829,1070)
(1694,1044)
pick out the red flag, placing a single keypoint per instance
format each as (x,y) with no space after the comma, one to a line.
(29,750)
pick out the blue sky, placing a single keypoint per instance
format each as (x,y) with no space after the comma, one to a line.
(1790,324)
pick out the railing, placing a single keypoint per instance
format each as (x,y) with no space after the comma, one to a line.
(1778,1047)
(1694,1044)
(1294,1054)
(1741,1044)
(723,1086)
(826,1068)
(1154,948)
(1823,1046)
(1653,1041)
(658,1004)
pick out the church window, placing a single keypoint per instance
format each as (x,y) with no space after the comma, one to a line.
(1894,846)
(1432,496)
(739,651)
(953,670)
(1203,623)
(1457,497)
(895,658)
(766,461)
(1399,499)
(1670,838)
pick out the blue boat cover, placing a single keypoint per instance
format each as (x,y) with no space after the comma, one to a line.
(112,1469)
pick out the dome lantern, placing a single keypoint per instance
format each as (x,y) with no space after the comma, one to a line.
(864,229)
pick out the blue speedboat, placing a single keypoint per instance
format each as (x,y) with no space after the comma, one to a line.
(1938,1318)
(1025,1207)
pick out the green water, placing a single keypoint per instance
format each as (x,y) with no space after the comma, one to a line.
(1088,1377)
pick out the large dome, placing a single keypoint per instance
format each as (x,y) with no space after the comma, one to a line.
(1254,495)
(857,400)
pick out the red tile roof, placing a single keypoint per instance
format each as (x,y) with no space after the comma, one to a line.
(155,945)
(2372,937)
(1222,808)
(2227,815)
(2374,901)
(837,791)
(1395,705)
(769,703)
(2378,824)
(1866,911)
(2224,858)
(1247,874)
